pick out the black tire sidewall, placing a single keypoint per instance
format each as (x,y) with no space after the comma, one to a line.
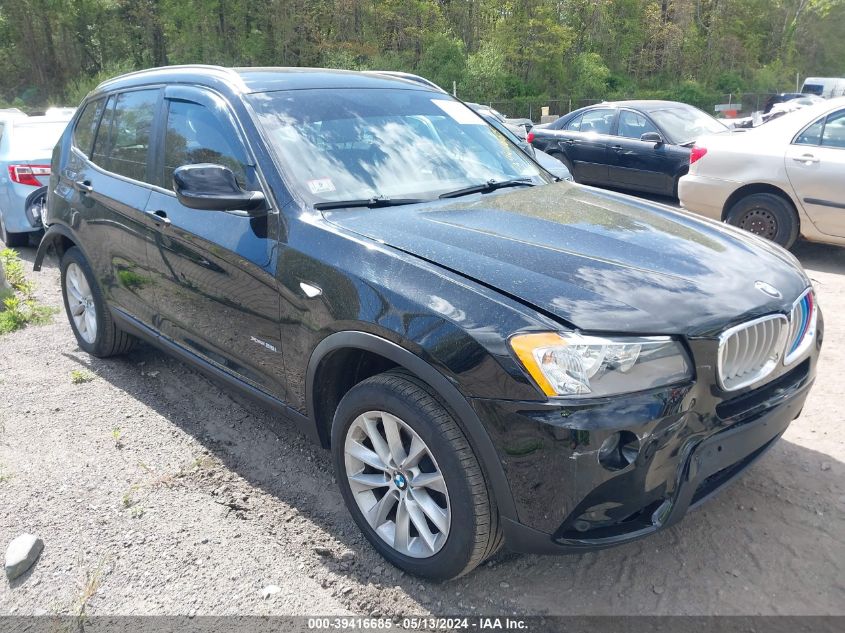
(75,256)
(787,223)
(453,558)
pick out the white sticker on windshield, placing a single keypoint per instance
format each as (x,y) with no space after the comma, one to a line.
(320,185)
(458,111)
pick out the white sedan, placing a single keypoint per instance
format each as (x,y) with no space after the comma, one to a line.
(781,180)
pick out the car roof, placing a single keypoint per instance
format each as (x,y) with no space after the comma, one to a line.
(647,105)
(249,80)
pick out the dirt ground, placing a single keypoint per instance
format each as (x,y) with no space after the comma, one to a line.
(157,493)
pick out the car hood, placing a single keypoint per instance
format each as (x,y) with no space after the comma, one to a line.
(597,260)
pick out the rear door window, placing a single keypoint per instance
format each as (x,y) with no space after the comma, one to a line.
(597,121)
(86,126)
(127,150)
(834,131)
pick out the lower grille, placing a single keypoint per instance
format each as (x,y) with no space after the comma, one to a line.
(749,352)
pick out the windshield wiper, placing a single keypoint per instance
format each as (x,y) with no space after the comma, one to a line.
(487,187)
(372,203)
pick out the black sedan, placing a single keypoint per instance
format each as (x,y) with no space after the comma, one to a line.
(641,145)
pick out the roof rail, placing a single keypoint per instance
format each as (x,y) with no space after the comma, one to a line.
(135,73)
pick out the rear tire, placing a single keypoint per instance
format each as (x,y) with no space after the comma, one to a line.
(89,316)
(12,240)
(466,530)
(767,215)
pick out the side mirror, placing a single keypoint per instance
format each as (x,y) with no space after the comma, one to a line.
(652,137)
(214,188)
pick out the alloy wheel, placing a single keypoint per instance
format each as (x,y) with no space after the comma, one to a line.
(397,484)
(80,302)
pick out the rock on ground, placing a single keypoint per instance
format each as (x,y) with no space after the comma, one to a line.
(21,554)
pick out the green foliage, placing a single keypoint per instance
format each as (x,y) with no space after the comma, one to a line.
(19,308)
(58,50)
(13,270)
(593,76)
(18,313)
(80,376)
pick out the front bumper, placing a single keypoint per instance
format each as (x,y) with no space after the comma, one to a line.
(693,438)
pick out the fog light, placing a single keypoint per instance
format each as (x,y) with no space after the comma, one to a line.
(619,450)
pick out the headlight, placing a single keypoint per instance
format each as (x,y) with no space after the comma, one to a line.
(572,365)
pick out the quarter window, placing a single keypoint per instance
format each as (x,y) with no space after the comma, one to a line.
(811,135)
(129,138)
(196,135)
(86,126)
(597,121)
(574,125)
(633,125)
(99,153)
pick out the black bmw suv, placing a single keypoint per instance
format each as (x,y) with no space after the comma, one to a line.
(491,356)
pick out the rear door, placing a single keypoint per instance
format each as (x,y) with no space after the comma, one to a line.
(815,164)
(586,146)
(106,185)
(636,164)
(214,271)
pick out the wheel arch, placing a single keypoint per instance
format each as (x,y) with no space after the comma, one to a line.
(374,354)
(760,187)
(59,238)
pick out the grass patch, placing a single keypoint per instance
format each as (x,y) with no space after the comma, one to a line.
(80,376)
(18,308)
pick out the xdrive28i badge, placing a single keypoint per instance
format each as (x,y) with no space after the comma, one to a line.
(768,289)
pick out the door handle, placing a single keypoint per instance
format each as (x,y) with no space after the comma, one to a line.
(160,218)
(616,148)
(569,141)
(807,159)
(83,186)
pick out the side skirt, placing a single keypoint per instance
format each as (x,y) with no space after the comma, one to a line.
(136,328)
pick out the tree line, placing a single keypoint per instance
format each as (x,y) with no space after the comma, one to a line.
(53,52)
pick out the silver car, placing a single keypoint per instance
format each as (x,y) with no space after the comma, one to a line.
(779,180)
(26,147)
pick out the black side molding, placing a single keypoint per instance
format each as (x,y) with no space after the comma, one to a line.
(825,203)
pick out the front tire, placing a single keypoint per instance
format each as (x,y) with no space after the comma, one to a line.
(89,316)
(411,480)
(767,215)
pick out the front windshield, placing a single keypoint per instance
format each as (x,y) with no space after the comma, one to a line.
(683,125)
(356,144)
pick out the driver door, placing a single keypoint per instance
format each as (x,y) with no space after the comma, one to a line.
(214,271)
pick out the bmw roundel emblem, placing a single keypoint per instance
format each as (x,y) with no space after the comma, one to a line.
(768,289)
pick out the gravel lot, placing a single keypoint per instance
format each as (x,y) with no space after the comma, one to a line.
(157,493)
